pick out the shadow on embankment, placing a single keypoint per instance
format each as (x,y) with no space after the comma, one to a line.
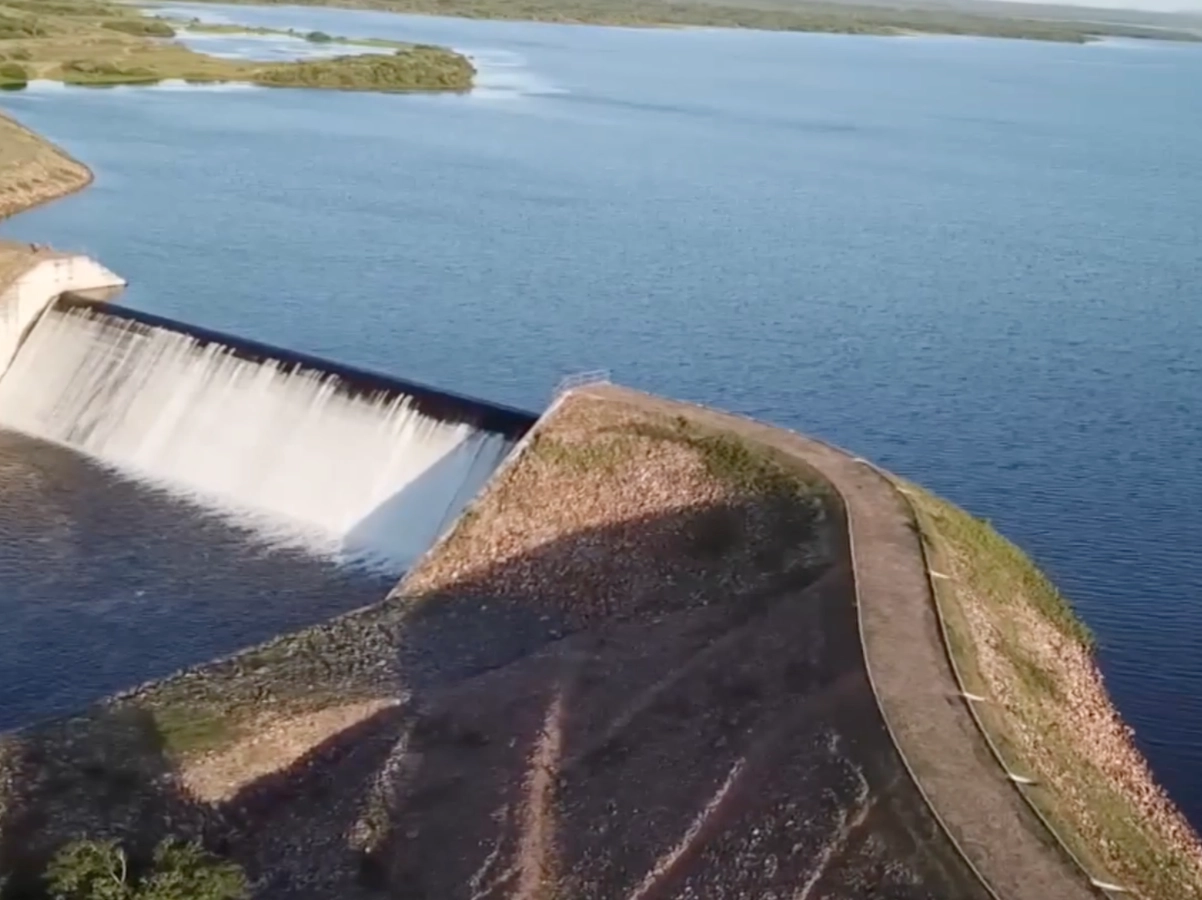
(667,707)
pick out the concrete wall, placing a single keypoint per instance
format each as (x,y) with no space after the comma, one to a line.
(23,300)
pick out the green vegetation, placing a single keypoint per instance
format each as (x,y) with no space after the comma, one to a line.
(313,37)
(101,870)
(144,26)
(13,75)
(769,15)
(1001,571)
(1014,638)
(19,27)
(406,70)
(590,456)
(91,42)
(86,72)
(188,730)
(746,468)
(743,466)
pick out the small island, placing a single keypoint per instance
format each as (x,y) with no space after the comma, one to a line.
(94,43)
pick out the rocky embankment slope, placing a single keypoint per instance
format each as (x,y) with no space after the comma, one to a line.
(633,670)
(33,171)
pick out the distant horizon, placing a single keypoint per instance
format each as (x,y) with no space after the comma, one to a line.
(1183,7)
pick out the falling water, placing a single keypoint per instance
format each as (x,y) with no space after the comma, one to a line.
(299,453)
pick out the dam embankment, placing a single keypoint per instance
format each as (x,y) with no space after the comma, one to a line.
(170,492)
(34,171)
(911,679)
(637,593)
(644,586)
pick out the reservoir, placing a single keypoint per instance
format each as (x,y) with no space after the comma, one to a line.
(974,261)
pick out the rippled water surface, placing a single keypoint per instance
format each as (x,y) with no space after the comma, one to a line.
(975,261)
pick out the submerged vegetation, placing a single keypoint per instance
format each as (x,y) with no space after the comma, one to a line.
(90,42)
(775,15)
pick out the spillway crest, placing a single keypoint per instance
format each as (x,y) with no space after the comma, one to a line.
(348,462)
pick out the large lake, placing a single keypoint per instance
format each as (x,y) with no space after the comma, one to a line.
(975,261)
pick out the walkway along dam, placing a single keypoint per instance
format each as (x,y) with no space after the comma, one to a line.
(641,649)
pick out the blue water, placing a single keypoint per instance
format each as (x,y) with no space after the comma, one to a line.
(975,261)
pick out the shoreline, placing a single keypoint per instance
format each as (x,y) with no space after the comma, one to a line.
(83,175)
(858,18)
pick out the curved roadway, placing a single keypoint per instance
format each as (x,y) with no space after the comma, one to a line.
(915,687)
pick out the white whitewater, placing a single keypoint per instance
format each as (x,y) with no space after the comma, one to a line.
(369,478)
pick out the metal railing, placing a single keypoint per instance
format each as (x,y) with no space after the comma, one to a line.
(580,379)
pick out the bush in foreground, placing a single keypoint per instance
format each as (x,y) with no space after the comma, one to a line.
(100,870)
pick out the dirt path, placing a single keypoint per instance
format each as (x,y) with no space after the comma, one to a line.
(914,682)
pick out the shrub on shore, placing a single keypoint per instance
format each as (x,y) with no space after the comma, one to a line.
(405,70)
(100,870)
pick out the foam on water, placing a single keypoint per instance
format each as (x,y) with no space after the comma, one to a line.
(502,74)
(269,47)
(291,452)
(168,84)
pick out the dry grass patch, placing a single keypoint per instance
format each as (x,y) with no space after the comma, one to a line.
(269,746)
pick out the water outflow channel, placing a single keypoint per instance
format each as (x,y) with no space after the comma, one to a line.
(168,494)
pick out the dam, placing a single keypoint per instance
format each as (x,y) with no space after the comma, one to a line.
(640,648)
(181,493)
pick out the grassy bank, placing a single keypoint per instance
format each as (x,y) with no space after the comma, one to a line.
(90,42)
(768,15)
(1016,641)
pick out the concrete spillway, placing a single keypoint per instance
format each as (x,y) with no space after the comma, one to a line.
(345,461)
